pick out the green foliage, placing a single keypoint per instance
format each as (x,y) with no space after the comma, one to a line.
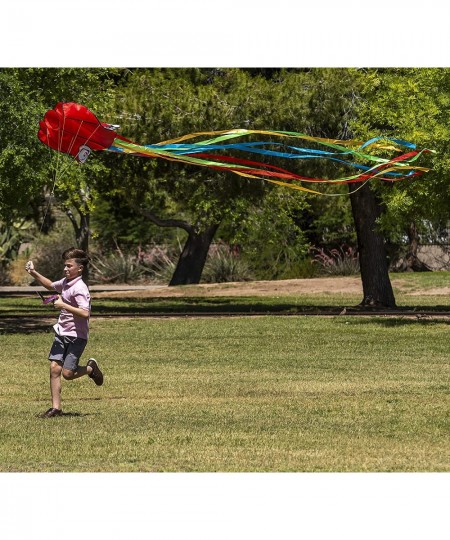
(341,261)
(46,251)
(225,264)
(329,98)
(26,165)
(410,104)
(154,105)
(114,222)
(158,104)
(271,242)
(11,237)
(20,154)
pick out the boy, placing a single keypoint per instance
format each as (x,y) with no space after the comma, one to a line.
(72,328)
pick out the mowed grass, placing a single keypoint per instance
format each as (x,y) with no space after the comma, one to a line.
(235,394)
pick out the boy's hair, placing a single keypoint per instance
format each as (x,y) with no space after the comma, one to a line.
(78,254)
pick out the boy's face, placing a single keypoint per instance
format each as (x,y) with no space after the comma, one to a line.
(72,269)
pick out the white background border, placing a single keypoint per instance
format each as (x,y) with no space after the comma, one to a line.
(203,33)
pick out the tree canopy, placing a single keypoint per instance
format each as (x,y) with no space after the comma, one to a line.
(154,105)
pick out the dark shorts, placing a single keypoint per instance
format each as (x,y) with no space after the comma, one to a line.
(67,350)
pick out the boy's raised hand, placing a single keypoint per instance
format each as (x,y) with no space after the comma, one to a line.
(29,267)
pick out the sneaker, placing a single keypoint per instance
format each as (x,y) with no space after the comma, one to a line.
(51,413)
(96,374)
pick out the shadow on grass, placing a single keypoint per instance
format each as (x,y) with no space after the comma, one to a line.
(70,414)
(76,414)
(24,322)
(25,325)
(248,306)
(124,306)
(398,320)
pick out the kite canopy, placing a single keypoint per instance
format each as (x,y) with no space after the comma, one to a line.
(69,126)
(73,129)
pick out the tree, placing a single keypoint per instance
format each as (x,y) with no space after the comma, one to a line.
(411,104)
(156,105)
(366,208)
(334,106)
(27,168)
(21,157)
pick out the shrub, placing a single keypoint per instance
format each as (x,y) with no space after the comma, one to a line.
(154,264)
(161,262)
(12,237)
(115,267)
(302,269)
(45,251)
(225,264)
(343,261)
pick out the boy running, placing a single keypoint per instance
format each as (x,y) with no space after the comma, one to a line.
(72,328)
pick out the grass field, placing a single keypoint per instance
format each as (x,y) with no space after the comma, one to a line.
(235,394)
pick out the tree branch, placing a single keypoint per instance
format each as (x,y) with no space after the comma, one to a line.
(73,220)
(179,223)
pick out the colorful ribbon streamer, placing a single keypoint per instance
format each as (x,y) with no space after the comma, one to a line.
(73,129)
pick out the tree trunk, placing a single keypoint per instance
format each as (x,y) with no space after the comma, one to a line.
(411,262)
(193,257)
(82,232)
(366,208)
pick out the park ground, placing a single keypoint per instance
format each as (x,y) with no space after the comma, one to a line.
(287,287)
(185,392)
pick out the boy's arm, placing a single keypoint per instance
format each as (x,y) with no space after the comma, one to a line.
(45,282)
(77,311)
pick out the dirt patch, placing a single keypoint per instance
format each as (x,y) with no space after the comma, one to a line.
(288,287)
(441,291)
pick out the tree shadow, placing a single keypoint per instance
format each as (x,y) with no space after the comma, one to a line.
(399,320)
(229,307)
(24,325)
(76,414)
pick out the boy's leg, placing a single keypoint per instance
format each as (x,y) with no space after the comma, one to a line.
(71,369)
(69,374)
(55,383)
(92,369)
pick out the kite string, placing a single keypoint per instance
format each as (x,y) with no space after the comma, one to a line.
(70,156)
(57,171)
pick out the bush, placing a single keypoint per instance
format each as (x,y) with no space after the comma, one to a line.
(161,262)
(224,264)
(45,251)
(343,261)
(16,271)
(5,278)
(115,267)
(12,237)
(304,268)
(154,264)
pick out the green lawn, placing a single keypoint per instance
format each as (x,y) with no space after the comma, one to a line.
(235,394)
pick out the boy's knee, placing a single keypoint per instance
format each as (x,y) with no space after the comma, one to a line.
(67,374)
(55,369)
